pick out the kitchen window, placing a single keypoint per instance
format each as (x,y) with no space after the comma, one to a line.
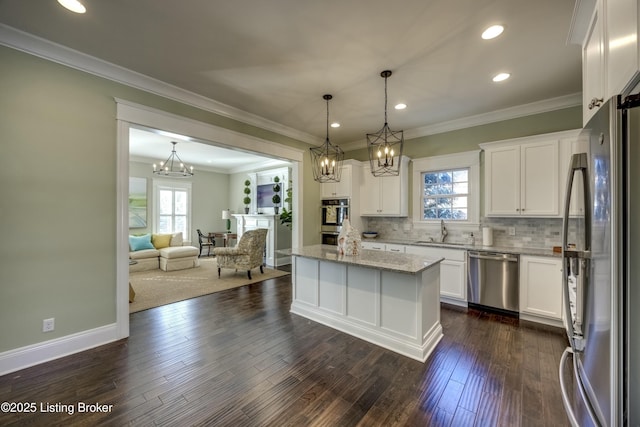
(447,188)
(445,195)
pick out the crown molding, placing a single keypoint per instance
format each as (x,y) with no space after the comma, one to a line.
(42,48)
(37,46)
(537,107)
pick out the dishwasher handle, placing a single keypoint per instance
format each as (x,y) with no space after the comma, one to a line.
(493,257)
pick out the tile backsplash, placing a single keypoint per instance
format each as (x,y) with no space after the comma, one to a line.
(529,232)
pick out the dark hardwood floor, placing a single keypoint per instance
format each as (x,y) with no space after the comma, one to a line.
(240,358)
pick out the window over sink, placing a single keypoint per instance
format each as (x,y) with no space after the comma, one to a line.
(445,195)
(447,188)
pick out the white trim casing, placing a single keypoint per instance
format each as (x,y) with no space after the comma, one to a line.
(24,357)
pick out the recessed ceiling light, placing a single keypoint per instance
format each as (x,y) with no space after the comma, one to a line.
(501,77)
(73,5)
(492,32)
(401,106)
(335,125)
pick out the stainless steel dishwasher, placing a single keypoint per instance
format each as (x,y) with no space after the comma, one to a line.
(493,280)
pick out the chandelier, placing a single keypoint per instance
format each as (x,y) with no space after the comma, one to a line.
(173,166)
(326,159)
(385,146)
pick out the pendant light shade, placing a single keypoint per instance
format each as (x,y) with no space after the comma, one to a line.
(385,146)
(327,159)
(173,167)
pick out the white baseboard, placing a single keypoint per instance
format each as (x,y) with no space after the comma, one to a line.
(24,357)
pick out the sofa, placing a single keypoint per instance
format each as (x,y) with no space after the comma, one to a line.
(161,251)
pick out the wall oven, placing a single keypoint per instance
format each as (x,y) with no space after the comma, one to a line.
(334,212)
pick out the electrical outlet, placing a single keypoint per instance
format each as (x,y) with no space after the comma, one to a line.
(512,231)
(48,325)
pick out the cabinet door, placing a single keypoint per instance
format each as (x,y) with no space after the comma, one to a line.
(373,246)
(622,53)
(593,77)
(390,193)
(502,181)
(453,269)
(539,183)
(541,286)
(452,279)
(369,193)
(343,188)
(395,248)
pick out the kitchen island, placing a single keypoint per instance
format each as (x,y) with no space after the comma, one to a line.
(389,299)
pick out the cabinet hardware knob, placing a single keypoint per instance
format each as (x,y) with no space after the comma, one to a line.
(595,102)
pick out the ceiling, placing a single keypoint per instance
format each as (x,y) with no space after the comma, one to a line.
(154,146)
(275,59)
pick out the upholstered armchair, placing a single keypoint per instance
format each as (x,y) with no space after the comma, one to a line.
(246,255)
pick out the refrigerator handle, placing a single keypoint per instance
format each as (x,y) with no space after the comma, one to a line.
(579,163)
(565,394)
(563,388)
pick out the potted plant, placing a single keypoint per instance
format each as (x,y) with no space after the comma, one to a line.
(276,194)
(286,217)
(247,199)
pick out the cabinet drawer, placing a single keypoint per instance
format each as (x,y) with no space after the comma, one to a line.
(436,252)
(395,248)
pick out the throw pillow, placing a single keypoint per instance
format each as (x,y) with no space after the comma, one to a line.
(138,243)
(161,240)
(176,239)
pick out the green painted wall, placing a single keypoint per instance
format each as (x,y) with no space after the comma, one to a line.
(209,196)
(58,192)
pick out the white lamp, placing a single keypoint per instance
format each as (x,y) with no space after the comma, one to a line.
(226,214)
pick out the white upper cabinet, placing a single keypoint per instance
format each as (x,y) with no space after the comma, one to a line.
(347,187)
(593,66)
(521,177)
(341,189)
(608,33)
(385,195)
(622,45)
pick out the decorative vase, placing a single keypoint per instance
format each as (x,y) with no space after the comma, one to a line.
(246,210)
(275,209)
(349,241)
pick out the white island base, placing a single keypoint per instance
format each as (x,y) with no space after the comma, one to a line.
(396,310)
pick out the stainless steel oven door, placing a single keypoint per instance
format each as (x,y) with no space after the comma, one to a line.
(334,212)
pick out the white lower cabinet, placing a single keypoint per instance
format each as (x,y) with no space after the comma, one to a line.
(389,247)
(541,289)
(374,246)
(395,248)
(453,271)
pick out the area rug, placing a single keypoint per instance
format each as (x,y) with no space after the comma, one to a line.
(155,288)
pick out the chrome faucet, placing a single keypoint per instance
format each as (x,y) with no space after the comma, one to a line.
(443,231)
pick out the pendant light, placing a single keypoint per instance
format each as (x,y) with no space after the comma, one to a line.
(326,159)
(173,167)
(385,146)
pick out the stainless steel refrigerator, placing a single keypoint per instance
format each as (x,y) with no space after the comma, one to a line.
(600,371)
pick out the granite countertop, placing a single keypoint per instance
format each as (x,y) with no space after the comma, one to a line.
(402,263)
(468,247)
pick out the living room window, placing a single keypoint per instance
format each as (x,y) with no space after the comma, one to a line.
(172,211)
